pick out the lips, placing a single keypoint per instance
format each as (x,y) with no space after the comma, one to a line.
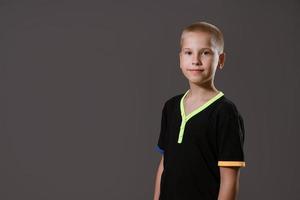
(196,70)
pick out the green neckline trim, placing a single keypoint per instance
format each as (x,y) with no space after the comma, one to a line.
(199,109)
(193,113)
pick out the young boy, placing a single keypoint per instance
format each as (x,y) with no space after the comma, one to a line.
(202,132)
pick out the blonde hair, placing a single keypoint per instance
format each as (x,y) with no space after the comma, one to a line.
(217,35)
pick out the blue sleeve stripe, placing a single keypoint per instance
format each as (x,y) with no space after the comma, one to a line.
(159,149)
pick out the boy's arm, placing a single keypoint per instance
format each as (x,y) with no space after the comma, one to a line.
(229,183)
(157,180)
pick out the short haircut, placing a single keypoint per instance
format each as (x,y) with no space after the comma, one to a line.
(217,35)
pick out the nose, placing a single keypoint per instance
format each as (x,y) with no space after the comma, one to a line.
(196,60)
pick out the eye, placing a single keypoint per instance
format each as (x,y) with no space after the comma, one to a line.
(206,52)
(188,52)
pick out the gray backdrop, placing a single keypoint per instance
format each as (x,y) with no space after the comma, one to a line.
(83,84)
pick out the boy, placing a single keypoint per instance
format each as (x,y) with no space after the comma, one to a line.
(202,132)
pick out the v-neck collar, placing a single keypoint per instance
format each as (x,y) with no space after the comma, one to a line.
(200,108)
(193,113)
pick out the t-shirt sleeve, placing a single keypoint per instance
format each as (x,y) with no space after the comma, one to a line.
(161,144)
(230,137)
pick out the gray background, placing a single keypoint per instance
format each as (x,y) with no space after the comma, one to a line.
(83,84)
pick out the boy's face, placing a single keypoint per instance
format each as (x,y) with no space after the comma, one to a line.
(199,57)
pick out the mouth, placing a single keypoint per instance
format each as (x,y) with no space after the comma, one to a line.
(196,70)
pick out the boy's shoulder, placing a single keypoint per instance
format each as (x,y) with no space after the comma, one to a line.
(174,99)
(227,106)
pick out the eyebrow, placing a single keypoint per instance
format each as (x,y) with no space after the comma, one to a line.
(201,48)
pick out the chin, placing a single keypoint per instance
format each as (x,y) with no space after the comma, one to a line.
(195,80)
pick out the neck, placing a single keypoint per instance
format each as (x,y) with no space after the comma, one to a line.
(203,91)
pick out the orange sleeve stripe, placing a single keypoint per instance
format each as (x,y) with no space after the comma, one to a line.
(232,163)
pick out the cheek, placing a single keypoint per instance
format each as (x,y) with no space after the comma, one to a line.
(183,63)
(210,60)
(185,60)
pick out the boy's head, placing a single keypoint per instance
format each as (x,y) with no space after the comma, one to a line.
(217,39)
(201,52)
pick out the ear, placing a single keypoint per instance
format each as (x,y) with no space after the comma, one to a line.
(221,60)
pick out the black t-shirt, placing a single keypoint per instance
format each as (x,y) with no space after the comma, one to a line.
(194,146)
